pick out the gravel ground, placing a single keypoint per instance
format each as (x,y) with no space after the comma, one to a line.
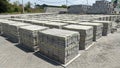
(105,53)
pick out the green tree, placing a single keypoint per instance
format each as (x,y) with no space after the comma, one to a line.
(4,6)
(17,7)
(64,6)
(28,7)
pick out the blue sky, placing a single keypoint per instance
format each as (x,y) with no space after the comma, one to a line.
(57,2)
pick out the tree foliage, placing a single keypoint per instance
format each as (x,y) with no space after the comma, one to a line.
(28,7)
(16,7)
(4,6)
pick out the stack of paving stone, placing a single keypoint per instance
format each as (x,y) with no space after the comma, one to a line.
(54,10)
(36,22)
(0,28)
(107,26)
(29,34)
(16,19)
(1,20)
(71,22)
(110,18)
(55,25)
(97,29)
(41,23)
(60,45)
(84,20)
(86,34)
(105,7)
(5,26)
(14,30)
(78,9)
(56,20)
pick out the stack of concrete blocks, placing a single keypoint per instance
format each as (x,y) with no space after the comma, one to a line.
(17,19)
(54,10)
(110,18)
(56,20)
(67,19)
(27,20)
(113,18)
(117,20)
(42,19)
(101,7)
(97,29)
(60,45)
(71,22)
(41,23)
(14,30)
(29,35)
(1,20)
(78,9)
(99,18)
(107,26)
(5,26)
(107,18)
(0,28)
(36,22)
(86,34)
(55,25)
(104,18)
(84,20)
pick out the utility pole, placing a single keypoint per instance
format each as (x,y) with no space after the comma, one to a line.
(23,6)
(66,2)
(87,2)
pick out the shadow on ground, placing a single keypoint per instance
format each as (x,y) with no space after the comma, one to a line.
(39,55)
(24,48)
(10,39)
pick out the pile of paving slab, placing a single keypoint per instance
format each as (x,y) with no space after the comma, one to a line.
(59,37)
(105,7)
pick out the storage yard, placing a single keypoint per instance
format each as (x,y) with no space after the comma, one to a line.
(60,41)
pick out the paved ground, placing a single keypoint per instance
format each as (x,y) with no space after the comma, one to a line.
(105,53)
